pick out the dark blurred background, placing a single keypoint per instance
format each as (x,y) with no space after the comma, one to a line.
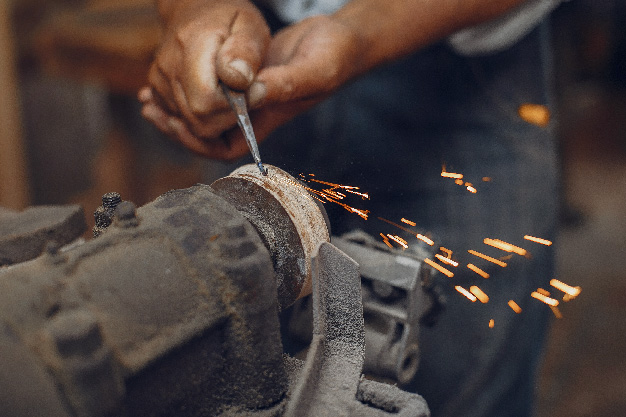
(70,131)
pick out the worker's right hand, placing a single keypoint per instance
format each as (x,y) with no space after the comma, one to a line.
(203,42)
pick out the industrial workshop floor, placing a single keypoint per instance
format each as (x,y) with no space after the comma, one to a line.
(585,364)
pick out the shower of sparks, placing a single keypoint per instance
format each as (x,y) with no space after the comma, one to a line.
(417,235)
(409,222)
(386,240)
(507,247)
(515,307)
(549,301)
(538,240)
(335,193)
(572,292)
(445,260)
(556,312)
(482,297)
(465,293)
(478,270)
(488,258)
(398,240)
(439,268)
(491,324)
(470,187)
(543,292)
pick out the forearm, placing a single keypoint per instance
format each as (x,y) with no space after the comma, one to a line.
(391,29)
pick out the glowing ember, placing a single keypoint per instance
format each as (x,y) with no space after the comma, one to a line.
(507,247)
(491,324)
(536,114)
(398,240)
(482,297)
(478,270)
(567,289)
(538,240)
(557,312)
(409,222)
(470,187)
(446,260)
(549,301)
(543,292)
(465,292)
(439,268)
(515,307)
(487,258)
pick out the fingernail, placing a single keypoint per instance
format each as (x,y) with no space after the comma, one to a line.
(243,68)
(256,93)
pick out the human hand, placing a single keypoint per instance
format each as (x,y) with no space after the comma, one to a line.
(303,64)
(204,42)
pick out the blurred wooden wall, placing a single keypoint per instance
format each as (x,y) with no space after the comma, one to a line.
(14,190)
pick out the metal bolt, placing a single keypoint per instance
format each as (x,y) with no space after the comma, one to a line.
(111,200)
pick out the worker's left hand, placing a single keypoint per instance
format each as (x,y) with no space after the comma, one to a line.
(304,63)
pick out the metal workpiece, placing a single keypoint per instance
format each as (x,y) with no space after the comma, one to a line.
(173,311)
(288,219)
(183,305)
(394,301)
(24,234)
(329,382)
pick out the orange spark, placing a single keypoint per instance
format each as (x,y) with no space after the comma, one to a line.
(451,175)
(446,260)
(465,292)
(549,301)
(458,181)
(470,188)
(386,241)
(482,297)
(487,258)
(515,307)
(424,239)
(398,240)
(543,292)
(491,324)
(538,240)
(439,268)
(556,312)
(502,245)
(478,270)
(567,289)
(486,179)
(409,222)
(448,252)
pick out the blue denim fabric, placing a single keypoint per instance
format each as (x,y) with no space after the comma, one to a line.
(389,133)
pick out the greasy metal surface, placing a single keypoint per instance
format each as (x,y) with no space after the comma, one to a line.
(287,218)
(24,235)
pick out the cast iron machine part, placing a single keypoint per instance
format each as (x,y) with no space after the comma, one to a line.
(173,311)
